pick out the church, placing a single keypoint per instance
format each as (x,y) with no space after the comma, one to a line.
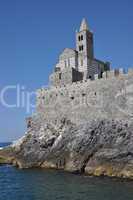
(78,64)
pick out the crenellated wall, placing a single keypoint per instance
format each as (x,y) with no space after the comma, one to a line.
(109,97)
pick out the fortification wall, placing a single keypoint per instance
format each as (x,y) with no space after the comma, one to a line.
(109,97)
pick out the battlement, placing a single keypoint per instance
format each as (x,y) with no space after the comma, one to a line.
(116,73)
(56,90)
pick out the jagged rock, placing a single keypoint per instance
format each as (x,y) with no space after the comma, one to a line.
(103,147)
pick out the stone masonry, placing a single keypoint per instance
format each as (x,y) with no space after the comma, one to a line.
(78,64)
(108,97)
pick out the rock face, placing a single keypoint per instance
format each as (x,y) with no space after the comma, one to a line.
(98,147)
(63,134)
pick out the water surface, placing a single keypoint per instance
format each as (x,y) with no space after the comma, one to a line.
(40,184)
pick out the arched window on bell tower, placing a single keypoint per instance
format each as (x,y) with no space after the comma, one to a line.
(81,48)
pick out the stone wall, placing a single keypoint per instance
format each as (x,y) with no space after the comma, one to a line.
(109,97)
(67,76)
(68,59)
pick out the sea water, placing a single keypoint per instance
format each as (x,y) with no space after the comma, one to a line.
(41,184)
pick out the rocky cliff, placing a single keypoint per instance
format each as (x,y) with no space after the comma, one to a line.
(98,147)
(83,128)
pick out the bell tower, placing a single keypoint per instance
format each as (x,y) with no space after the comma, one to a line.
(84,46)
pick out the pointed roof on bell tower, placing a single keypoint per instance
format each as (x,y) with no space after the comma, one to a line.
(84,25)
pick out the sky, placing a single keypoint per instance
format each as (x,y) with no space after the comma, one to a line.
(34,32)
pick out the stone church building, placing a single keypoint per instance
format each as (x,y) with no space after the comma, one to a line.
(80,63)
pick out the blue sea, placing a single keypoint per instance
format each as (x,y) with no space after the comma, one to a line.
(41,184)
(4,144)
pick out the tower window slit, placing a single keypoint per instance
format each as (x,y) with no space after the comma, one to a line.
(60,76)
